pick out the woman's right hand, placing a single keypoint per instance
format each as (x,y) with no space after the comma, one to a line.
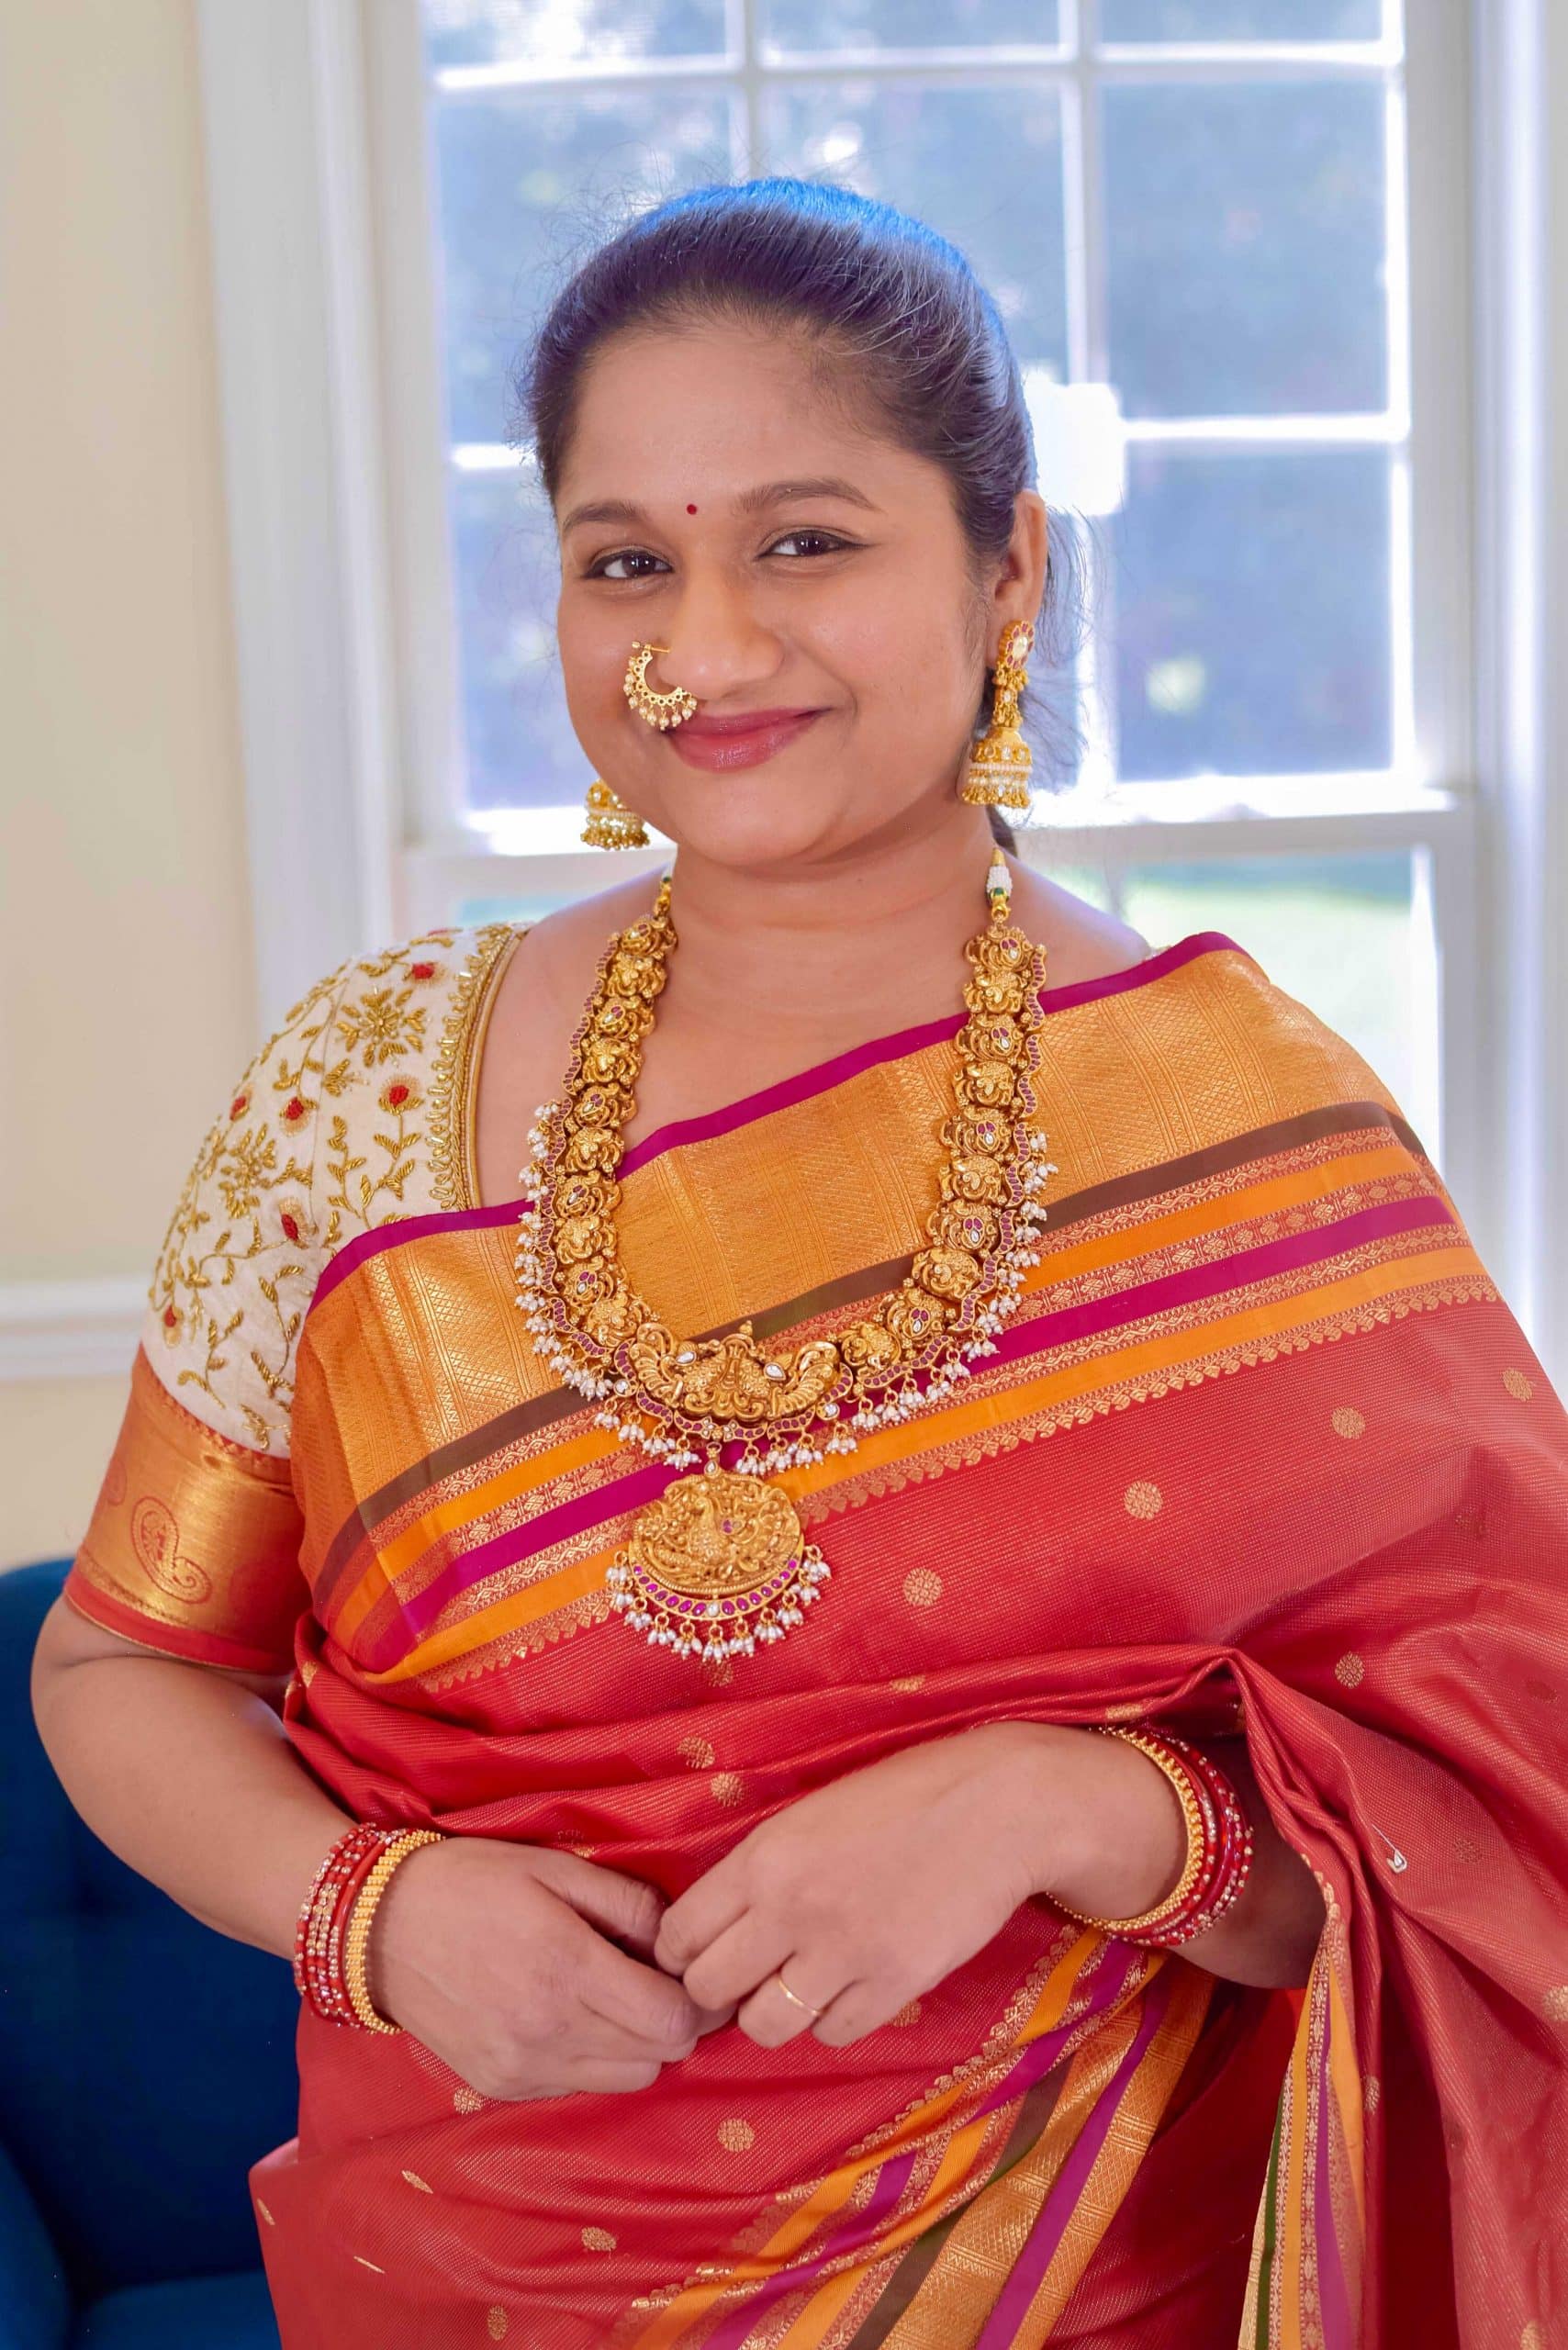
(500,1958)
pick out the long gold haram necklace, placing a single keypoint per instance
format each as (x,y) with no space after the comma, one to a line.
(719,1561)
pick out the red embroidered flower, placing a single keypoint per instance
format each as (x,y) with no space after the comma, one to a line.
(398,1093)
(292,1228)
(241,1103)
(294,1110)
(421,970)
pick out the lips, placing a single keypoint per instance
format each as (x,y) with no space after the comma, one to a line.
(745,741)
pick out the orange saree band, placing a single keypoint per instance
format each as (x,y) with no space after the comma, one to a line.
(1261,1457)
(193,1540)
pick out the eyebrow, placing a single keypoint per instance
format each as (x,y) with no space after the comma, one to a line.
(750,501)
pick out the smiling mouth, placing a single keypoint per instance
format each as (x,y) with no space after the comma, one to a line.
(748,722)
(722,745)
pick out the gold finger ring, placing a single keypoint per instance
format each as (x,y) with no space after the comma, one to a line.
(779,1978)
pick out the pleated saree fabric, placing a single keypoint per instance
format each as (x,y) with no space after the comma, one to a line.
(1262,1456)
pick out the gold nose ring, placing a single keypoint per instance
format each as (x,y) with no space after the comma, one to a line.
(659,709)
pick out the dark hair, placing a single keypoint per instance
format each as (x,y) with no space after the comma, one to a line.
(895,321)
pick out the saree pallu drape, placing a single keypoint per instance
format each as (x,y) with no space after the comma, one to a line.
(1260,1456)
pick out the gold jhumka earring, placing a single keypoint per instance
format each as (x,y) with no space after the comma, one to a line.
(997,774)
(610,823)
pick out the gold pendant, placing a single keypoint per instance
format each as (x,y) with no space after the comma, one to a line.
(717,1563)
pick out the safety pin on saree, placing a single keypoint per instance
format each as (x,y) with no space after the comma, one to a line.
(719,1561)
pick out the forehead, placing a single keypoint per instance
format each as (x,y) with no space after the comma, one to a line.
(706,411)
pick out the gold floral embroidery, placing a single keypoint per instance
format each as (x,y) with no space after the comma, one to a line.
(456,1065)
(208,1276)
(326,1135)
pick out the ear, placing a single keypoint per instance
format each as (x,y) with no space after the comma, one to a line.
(1020,585)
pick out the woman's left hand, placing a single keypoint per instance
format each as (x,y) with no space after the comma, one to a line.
(867,1891)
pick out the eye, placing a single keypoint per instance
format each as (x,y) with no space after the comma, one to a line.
(823,538)
(601,569)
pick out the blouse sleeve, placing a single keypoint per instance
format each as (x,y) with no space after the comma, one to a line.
(192,1546)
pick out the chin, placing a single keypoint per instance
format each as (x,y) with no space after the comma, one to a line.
(750,830)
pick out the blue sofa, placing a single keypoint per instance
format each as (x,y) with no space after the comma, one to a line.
(145,2062)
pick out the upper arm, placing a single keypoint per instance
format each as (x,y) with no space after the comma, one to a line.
(66,1637)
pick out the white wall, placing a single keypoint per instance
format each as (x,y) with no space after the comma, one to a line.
(126,988)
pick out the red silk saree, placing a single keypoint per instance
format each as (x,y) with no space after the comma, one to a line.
(1262,1456)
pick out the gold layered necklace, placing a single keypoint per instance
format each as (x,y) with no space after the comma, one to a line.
(720,1561)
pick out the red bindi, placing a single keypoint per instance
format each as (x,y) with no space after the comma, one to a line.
(692,509)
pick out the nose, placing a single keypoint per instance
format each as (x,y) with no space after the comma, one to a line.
(714,643)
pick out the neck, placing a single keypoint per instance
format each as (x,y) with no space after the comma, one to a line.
(860,942)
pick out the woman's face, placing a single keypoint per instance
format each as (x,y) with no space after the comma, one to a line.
(853,602)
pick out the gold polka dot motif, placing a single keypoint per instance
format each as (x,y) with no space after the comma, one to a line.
(1554,2003)
(736,2136)
(465,2099)
(597,2240)
(1519,1386)
(1143,1499)
(1350,1672)
(922,1587)
(1347,1422)
(497,2324)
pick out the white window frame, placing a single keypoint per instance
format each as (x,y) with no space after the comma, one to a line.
(336,462)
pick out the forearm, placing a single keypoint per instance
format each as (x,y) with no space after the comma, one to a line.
(190,1779)
(1106,1837)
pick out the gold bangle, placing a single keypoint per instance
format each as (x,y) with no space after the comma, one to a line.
(356,1940)
(1196,1844)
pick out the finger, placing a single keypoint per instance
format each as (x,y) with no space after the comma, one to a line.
(641,1998)
(626,1906)
(739,1959)
(697,1917)
(770,2017)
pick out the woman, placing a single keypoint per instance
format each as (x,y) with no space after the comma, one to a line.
(789,1979)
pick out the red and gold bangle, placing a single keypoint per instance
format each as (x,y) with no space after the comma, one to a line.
(356,1941)
(318,1933)
(1219,1846)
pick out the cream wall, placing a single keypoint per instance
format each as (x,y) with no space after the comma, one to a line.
(126,991)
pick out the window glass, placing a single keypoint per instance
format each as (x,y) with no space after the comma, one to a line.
(1294,21)
(1245,247)
(1253,613)
(551,34)
(909,24)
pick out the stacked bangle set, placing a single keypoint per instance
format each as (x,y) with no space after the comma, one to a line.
(1219,1847)
(331,1941)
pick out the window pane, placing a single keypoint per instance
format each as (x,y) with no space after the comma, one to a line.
(1253,614)
(529,183)
(522,750)
(1246,236)
(983,166)
(1240,19)
(909,24)
(1343,934)
(547,35)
